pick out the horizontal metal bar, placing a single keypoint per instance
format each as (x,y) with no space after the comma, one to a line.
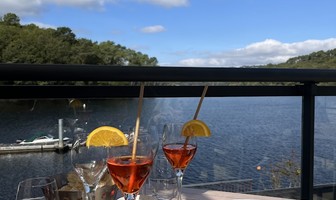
(32,92)
(37,92)
(325,91)
(9,72)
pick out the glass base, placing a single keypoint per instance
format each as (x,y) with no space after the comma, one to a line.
(123,198)
(143,197)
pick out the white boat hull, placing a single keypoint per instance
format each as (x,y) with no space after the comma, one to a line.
(45,140)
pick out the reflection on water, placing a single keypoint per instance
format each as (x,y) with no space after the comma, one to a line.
(246,133)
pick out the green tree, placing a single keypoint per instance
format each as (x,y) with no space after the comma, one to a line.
(84,52)
(36,46)
(31,44)
(112,54)
(66,35)
(11,19)
(7,35)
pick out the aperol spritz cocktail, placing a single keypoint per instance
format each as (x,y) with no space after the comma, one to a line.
(138,170)
(129,171)
(178,150)
(179,155)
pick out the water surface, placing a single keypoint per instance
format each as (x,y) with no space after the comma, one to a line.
(246,133)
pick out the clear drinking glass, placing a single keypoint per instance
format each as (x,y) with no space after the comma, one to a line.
(162,180)
(40,188)
(179,150)
(130,172)
(89,163)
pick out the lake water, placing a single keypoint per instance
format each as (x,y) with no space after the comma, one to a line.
(246,133)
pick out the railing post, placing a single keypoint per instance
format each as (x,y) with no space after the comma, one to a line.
(307,141)
(60,134)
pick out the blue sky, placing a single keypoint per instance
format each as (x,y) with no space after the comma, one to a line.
(216,33)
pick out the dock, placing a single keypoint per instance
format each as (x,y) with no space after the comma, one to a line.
(60,146)
(17,148)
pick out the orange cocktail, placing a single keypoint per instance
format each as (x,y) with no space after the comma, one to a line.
(128,171)
(179,155)
(179,146)
(129,175)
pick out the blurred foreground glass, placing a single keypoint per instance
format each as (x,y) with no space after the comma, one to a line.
(70,187)
(89,164)
(40,188)
(179,150)
(128,171)
(162,181)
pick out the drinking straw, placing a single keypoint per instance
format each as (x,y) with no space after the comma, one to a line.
(200,102)
(205,89)
(137,122)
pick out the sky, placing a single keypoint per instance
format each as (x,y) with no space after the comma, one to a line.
(198,33)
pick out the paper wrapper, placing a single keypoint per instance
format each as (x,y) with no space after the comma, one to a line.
(71,187)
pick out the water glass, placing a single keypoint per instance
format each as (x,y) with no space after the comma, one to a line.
(40,188)
(162,180)
(89,163)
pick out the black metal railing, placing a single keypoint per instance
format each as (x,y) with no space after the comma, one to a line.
(306,85)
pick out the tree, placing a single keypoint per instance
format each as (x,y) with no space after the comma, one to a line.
(11,19)
(284,173)
(84,52)
(32,44)
(7,35)
(65,34)
(36,46)
(112,54)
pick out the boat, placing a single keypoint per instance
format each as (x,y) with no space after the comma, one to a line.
(42,139)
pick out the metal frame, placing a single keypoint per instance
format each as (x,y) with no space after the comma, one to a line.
(185,74)
(306,87)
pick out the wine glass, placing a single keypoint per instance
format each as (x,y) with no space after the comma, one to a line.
(89,163)
(40,188)
(179,150)
(129,171)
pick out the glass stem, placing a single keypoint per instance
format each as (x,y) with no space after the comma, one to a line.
(130,196)
(179,176)
(90,192)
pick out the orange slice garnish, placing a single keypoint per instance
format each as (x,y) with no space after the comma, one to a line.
(106,136)
(196,128)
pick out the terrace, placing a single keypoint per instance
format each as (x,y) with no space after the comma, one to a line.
(186,82)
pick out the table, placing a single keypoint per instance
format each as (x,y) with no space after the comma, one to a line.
(200,194)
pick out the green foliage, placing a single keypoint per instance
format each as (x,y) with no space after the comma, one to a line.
(34,45)
(65,34)
(31,44)
(318,60)
(11,19)
(315,60)
(285,173)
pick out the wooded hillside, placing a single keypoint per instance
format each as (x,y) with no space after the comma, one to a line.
(319,60)
(32,44)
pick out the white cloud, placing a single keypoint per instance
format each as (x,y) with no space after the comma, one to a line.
(167,3)
(35,7)
(22,8)
(153,29)
(260,53)
(87,4)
